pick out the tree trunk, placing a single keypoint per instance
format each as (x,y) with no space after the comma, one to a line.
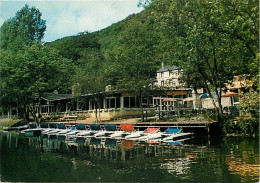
(96,108)
(142,109)
(26,112)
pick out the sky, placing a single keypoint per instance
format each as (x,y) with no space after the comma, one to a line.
(66,18)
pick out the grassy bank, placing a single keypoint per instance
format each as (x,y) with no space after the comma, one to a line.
(9,122)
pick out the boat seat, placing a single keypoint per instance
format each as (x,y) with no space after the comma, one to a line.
(80,126)
(127,127)
(94,127)
(172,131)
(32,125)
(110,127)
(61,126)
(152,130)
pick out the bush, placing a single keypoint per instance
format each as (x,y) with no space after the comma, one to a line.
(240,126)
(83,116)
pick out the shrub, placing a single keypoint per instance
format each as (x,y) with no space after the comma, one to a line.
(241,126)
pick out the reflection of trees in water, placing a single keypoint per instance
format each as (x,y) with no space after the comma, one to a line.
(241,160)
(240,166)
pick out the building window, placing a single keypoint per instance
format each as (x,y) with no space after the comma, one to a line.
(162,83)
(162,74)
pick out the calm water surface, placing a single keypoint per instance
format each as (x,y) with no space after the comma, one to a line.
(201,159)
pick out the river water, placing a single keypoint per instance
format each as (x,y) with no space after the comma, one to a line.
(200,159)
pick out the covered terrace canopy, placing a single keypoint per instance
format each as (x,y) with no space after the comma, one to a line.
(55,96)
(189,99)
(229,94)
(206,95)
(170,100)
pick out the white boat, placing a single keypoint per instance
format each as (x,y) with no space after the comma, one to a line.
(51,127)
(165,134)
(60,127)
(63,132)
(154,136)
(169,134)
(126,129)
(148,133)
(175,136)
(117,134)
(76,129)
(134,135)
(100,134)
(109,129)
(32,130)
(85,133)
(72,132)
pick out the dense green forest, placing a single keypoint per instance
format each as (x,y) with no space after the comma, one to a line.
(210,40)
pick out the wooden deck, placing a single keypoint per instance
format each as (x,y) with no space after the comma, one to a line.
(174,124)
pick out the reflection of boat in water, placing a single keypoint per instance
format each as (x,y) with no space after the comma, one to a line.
(110,142)
(129,144)
(94,141)
(61,138)
(110,148)
(33,130)
(175,143)
(80,140)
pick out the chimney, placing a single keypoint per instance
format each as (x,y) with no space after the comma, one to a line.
(163,64)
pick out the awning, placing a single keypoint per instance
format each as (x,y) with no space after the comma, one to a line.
(169,100)
(189,99)
(229,94)
(180,92)
(206,95)
(55,96)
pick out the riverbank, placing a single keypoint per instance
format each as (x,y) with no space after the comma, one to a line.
(6,122)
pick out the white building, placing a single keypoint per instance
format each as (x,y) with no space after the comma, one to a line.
(169,77)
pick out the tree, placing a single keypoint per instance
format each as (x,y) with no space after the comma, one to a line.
(211,41)
(28,73)
(89,80)
(26,27)
(136,61)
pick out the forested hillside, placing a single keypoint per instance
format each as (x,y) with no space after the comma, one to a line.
(122,55)
(198,36)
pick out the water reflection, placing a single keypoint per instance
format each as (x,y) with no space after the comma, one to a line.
(59,159)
